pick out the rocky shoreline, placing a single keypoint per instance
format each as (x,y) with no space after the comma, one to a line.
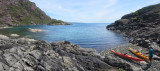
(2,26)
(37,55)
(141,28)
(130,65)
(23,54)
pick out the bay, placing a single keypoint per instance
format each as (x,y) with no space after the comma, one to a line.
(86,35)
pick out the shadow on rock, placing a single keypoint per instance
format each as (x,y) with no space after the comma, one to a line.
(147,67)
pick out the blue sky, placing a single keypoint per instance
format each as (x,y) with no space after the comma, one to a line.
(91,11)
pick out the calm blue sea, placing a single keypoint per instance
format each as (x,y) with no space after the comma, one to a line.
(86,35)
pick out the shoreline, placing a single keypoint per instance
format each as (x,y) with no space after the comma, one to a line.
(130,65)
(105,56)
(26,54)
(7,25)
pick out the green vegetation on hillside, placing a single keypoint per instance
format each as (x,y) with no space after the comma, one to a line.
(146,14)
(57,22)
(25,13)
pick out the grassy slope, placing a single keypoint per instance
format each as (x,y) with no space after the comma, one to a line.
(27,13)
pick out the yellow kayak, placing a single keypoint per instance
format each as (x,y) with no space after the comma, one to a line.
(138,54)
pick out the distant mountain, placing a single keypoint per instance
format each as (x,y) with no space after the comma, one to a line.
(142,26)
(23,12)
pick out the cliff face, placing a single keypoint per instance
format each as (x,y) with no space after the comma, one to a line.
(21,12)
(141,27)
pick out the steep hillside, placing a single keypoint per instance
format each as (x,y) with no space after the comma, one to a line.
(22,12)
(142,26)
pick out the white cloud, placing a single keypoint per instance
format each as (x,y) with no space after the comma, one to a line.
(80,11)
(90,10)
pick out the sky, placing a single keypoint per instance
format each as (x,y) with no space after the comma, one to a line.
(91,11)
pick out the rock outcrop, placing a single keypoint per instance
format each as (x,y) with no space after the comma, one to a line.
(130,65)
(23,12)
(35,55)
(24,54)
(141,27)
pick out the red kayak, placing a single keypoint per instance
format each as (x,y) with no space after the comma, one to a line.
(127,56)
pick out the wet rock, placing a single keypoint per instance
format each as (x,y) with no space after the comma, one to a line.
(14,35)
(36,30)
(4,27)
